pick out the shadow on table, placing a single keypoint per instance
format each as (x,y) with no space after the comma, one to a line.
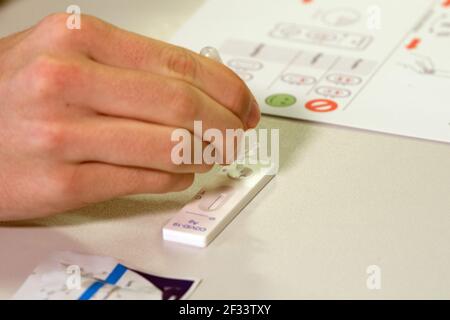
(120,208)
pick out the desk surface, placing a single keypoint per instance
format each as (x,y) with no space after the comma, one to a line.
(344,199)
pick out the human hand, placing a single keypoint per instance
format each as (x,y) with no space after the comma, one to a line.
(87,115)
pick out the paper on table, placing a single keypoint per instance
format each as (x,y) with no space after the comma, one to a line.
(380,65)
(73,276)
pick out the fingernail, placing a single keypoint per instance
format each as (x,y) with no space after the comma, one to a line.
(254,116)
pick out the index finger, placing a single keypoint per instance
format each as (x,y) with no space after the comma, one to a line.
(110,45)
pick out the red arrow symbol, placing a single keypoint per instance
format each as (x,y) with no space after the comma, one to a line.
(413,44)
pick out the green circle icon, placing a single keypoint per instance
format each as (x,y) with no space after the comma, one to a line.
(281,100)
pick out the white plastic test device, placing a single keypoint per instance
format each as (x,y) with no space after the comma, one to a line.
(218,202)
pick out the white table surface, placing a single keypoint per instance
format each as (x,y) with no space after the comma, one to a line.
(343,200)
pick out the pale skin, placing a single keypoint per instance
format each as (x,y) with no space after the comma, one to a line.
(87,115)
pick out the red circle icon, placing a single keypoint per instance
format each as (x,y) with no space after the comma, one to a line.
(321,105)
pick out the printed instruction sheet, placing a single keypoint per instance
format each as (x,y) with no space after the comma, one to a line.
(380,65)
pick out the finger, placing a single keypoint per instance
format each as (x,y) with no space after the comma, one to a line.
(95,182)
(140,95)
(254,117)
(133,143)
(110,45)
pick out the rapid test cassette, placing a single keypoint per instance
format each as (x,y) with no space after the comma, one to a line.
(215,205)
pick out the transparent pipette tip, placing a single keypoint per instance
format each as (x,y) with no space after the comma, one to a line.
(211,53)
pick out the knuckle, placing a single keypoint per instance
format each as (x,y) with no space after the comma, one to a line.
(48,75)
(188,163)
(184,103)
(171,164)
(60,184)
(180,62)
(54,20)
(133,182)
(167,148)
(53,28)
(240,96)
(47,138)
